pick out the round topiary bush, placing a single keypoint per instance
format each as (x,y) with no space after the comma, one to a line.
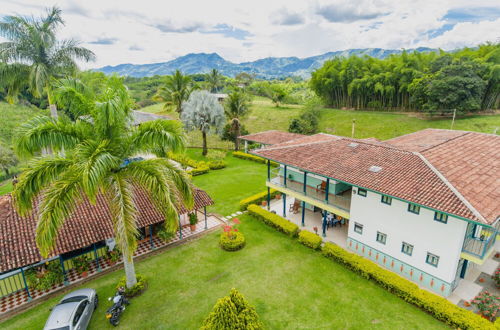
(233,242)
(137,289)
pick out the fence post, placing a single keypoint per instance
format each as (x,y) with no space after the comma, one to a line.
(26,284)
(61,261)
(96,258)
(151,237)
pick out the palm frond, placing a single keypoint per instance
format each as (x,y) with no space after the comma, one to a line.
(123,211)
(43,132)
(73,96)
(159,135)
(39,174)
(96,162)
(58,202)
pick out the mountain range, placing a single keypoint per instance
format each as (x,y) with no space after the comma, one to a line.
(266,68)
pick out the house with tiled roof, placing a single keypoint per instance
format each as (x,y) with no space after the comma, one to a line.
(268,138)
(425,205)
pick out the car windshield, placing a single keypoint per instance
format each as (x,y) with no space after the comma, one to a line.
(72,299)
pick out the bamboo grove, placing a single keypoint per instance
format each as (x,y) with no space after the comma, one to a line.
(466,80)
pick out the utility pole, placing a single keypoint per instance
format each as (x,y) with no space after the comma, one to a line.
(353,126)
(453,120)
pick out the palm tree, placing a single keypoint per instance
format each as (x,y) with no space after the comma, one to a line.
(176,90)
(214,79)
(98,148)
(237,106)
(203,112)
(35,56)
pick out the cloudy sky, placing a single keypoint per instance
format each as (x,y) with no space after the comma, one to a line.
(144,31)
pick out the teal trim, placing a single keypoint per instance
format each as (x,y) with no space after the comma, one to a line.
(413,208)
(440,217)
(327,189)
(25,284)
(381,237)
(401,268)
(205,214)
(432,259)
(386,199)
(407,248)
(378,192)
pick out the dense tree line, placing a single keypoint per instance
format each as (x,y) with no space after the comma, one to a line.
(466,80)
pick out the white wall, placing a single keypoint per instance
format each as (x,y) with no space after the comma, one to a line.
(421,231)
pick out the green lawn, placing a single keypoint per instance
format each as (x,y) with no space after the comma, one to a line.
(227,186)
(12,117)
(5,187)
(291,286)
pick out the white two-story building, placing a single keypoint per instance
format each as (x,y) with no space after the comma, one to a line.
(425,205)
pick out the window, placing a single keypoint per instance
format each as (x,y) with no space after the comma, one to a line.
(413,208)
(407,249)
(79,311)
(386,199)
(358,228)
(432,259)
(381,237)
(362,192)
(441,217)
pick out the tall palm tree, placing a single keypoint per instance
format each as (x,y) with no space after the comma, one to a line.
(98,147)
(214,79)
(35,56)
(236,107)
(176,90)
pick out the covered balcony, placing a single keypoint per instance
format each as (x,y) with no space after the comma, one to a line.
(479,242)
(320,191)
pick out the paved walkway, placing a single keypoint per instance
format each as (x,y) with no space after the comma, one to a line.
(19,298)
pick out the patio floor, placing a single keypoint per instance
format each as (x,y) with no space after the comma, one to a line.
(337,234)
(15,300)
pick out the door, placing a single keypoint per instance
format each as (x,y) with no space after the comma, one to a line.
(82,316)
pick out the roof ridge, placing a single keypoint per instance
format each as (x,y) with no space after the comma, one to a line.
(451,187)
(444,142)
(294,145)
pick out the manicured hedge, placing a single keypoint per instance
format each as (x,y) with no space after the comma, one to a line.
(437,306)
(309,239)
(234,243)
(216,164)
(274,220)
(256,199)
(244,155)
(198,171)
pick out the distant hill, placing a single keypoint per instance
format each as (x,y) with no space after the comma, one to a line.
(266,68)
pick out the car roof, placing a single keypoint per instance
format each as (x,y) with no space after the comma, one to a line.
(80,292)
(61,315)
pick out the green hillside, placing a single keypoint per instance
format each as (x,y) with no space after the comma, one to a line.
(13,115)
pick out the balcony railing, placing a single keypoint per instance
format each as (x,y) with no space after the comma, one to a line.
(341,201)
(480,246)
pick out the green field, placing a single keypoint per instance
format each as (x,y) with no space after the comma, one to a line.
(382,125)
(291,286)
(13,115)
(5,187)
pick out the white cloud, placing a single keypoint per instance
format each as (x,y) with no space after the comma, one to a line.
(146,31)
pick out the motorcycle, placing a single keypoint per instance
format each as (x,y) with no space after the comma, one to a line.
(115,311)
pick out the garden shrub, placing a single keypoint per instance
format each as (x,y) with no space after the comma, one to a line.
(274,220)
(256,199)
(44,277)
(233,242)
(244,155)
(165,235)
(232,312)
(137,289)
(81,263)
(198,171)
(216,164)
(310,239)
(197,168)
(437,306)
(216,155)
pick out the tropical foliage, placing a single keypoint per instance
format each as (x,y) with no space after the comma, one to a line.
(96,155)
(237,106)
(214,80)
(175,91)
(204,113)
(34,56)
(467,80)
(233,312)
(7,159)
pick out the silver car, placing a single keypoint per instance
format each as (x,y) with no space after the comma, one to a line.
(73,311)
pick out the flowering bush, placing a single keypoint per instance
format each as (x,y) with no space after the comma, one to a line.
(81,263)
(231,239)
(487,303)
(112,256)
(44,277)
(496,277)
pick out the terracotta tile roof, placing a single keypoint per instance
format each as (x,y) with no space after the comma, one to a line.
(424,139)
(271,137)
(404,174)
(87,225)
